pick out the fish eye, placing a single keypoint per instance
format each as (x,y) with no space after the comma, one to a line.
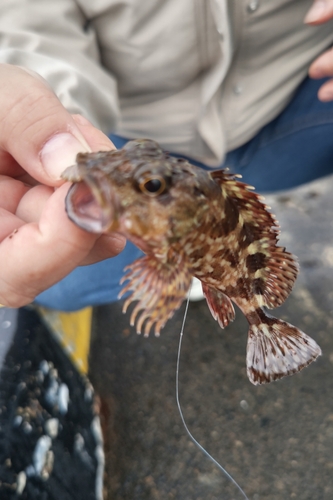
(153,185)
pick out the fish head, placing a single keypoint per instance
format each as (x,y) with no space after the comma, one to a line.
(139,191)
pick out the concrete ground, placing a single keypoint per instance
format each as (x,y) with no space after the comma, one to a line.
(275,440)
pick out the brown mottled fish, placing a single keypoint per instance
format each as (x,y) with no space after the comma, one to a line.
(193,223)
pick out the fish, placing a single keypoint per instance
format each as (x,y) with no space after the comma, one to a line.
(190,222)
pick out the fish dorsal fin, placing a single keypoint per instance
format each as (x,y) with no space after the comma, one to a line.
(219,305)
(245,197)
(159,287)
(271,268)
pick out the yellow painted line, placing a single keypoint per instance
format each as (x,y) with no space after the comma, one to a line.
(73,331)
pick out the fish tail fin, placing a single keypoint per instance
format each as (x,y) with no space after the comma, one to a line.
(276,349)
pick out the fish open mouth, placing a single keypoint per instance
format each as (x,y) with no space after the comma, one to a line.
(89,206)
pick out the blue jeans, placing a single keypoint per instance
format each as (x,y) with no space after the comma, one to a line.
(295,148)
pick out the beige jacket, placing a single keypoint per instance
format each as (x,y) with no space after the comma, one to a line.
(200,76)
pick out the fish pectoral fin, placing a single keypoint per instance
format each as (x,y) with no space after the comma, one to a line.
(219,305)
(159,289)
(276,349)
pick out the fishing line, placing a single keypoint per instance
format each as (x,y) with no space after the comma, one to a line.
(225,472)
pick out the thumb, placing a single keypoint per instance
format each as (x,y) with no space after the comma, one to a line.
(320,12)
(35,128)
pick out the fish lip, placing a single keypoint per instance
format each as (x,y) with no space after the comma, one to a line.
(91,204)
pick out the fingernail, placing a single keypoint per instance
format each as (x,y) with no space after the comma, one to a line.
(316,12)
(60,152)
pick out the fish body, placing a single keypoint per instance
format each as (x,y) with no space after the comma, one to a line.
(190,222)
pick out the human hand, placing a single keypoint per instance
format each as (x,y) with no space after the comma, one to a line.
(39,245)
(320,12)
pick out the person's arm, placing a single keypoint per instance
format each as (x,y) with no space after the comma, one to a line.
(38,139)
(320,12)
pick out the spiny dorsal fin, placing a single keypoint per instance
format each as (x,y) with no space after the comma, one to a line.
(249,204)
(272,268)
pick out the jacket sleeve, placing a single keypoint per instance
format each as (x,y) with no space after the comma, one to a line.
(55,39)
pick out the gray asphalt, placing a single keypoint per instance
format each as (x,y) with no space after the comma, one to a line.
(275,440)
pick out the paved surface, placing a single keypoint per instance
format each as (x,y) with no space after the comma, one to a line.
(275,440)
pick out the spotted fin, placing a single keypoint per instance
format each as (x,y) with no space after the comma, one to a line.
(219,305)
(276,349)
(159,288)
(274,280)
(272,270)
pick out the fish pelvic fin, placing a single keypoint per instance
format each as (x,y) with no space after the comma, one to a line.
(276,349)
(219,305)
(159,289)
